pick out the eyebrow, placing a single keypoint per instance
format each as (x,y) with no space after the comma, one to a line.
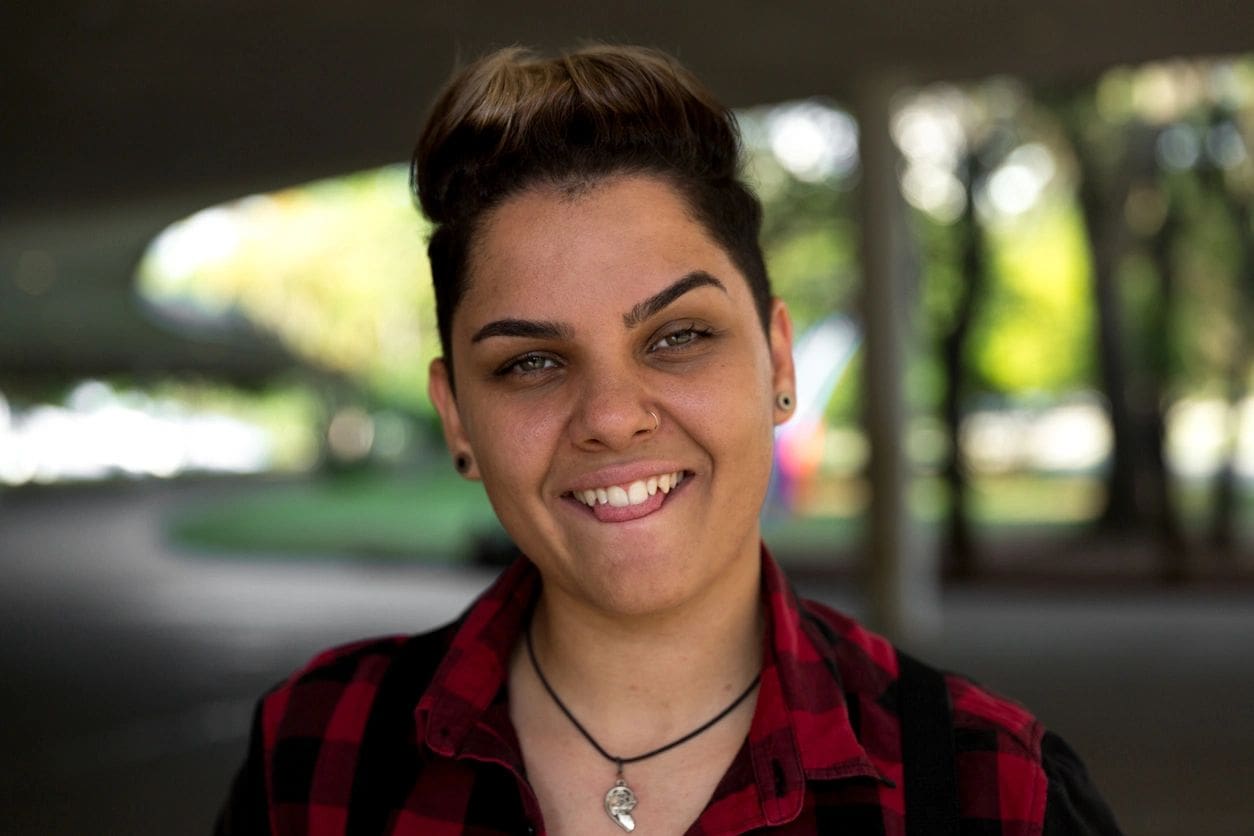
(643,310)
(534,329)
(547,330)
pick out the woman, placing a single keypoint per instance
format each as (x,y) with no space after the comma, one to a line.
(613,369)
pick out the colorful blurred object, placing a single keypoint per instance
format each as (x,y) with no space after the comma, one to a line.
(822,354)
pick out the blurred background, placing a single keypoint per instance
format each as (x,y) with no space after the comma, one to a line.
(1015,238)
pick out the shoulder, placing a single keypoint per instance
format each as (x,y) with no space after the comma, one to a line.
(995,742)
(1075,804)
(985,720)
(308,730)
(868,662)
(352,662)
(333,694)
(1011,767)
(997,756)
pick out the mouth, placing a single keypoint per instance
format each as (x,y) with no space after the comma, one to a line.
(632,500)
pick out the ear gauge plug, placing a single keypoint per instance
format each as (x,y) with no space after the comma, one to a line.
(784,401)
(462,462)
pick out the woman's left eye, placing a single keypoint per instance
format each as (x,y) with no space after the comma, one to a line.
(680,338)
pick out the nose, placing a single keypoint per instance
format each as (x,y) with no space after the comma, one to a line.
(612,411)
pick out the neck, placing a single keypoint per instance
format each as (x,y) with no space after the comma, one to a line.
(634,679)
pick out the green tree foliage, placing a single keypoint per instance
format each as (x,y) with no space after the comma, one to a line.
(337,269)
(1036,330)
(808,234)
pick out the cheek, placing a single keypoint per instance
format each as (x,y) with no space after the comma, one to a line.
(731,401)
(513,444)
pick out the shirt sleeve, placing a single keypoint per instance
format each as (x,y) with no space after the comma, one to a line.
(245,811)
(1073,806)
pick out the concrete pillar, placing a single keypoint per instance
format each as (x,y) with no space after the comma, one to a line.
(902,582)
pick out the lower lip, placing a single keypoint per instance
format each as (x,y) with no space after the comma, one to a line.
(627,513)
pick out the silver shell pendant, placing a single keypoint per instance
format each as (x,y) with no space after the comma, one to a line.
(619,802)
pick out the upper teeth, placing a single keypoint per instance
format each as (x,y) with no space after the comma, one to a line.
(620,496)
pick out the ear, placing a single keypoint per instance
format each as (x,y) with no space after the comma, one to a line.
(783,373)
(440,390)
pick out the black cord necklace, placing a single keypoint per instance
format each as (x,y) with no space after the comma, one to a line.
(620,800)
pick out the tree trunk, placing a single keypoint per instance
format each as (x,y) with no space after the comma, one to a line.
(1137,487)
(961,557)
(1223,524)
(1156,496)
(1103,224)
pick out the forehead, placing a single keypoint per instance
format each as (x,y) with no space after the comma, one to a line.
(549,249)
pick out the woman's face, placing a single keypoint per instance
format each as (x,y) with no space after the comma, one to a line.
(587,313)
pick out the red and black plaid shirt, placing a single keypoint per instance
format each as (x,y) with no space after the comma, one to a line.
(411,735)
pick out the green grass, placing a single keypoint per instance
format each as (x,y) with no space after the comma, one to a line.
(433,515)
(815,535)
(397,516)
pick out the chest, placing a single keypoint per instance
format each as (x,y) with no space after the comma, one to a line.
(577,791)
(466,796)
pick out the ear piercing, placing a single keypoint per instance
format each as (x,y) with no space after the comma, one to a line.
(784,401)
(462,462)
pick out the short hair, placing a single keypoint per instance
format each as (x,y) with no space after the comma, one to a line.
(512,120)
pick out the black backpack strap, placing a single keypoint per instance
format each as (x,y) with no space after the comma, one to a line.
(927,750)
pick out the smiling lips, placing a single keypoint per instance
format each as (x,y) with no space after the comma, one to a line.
(619,503)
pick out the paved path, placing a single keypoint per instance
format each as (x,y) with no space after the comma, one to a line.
(130,670)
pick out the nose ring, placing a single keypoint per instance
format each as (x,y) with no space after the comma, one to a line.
(656,421)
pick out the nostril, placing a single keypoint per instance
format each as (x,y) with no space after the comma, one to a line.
(612,426)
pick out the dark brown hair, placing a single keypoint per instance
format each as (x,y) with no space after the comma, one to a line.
(512,120)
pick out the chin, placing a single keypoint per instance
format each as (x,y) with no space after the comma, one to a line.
(644,586)
(638,603)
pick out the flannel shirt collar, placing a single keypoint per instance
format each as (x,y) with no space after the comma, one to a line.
(463,712)
(801,728)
